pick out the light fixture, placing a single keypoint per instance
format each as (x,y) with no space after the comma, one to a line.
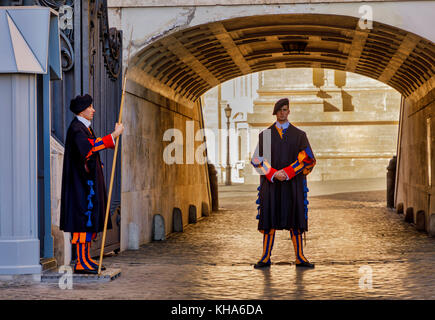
(294,46)
(228,111)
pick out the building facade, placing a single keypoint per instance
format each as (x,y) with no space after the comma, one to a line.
(351,120)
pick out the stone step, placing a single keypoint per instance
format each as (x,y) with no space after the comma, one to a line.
(106,276)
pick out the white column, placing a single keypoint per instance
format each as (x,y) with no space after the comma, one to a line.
(19,243)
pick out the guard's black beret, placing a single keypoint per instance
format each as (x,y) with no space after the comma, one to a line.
(80,103)
(279,104)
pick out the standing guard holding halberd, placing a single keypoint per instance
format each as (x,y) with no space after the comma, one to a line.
(84,198)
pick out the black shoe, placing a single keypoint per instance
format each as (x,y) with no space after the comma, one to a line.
(86,271)
(260,265)
(305,264)
(102,268)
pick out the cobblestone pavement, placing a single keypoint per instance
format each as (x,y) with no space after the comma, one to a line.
(213,259)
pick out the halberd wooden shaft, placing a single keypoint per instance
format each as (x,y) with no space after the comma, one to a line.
(112,175)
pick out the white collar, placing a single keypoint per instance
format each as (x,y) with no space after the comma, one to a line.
(282,126)
(86,122)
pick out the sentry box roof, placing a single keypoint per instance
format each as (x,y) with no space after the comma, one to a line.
(29,41)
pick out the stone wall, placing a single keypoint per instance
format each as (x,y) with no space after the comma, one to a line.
(415,187)
(149,185)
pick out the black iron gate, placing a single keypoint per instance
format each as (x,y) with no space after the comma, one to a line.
(91,63)
(103,67)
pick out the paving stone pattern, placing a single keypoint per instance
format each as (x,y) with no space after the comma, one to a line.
(213,259)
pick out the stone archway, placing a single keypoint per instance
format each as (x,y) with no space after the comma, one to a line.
(170,73)
(189,62)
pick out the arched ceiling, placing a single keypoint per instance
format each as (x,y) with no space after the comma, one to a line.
(191,61)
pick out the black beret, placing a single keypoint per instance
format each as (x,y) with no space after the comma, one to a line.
(279,104)
(80,103)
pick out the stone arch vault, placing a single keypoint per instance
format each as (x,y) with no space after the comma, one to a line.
(189,62)
(170,71)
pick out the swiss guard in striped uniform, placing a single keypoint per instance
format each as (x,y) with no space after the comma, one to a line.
(84,198)
(283,157)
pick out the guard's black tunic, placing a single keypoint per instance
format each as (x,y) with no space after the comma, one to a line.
(75,188)
(282,202)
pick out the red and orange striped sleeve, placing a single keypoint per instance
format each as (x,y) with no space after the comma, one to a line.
(99,144)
